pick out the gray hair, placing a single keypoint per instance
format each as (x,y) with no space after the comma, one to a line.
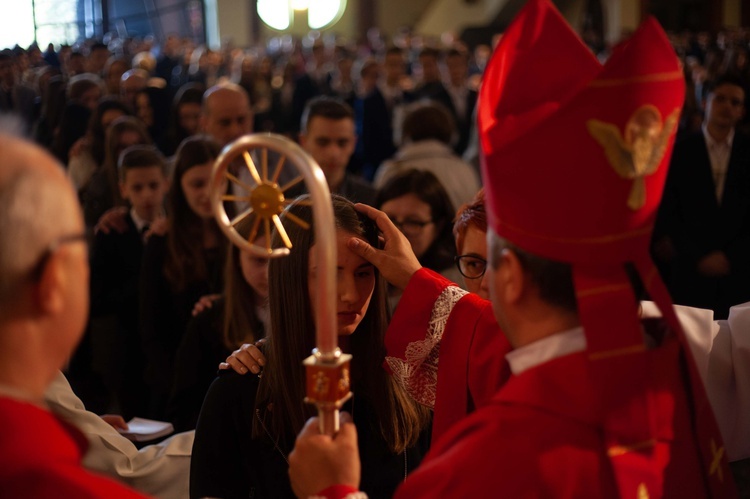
(34,212)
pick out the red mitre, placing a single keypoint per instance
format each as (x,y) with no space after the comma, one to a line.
(575,160)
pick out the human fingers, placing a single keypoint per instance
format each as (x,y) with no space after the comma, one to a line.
(204,302)
(384,223)
(253,352)
(247,360)
(237,366)
(365,250)
(311,428)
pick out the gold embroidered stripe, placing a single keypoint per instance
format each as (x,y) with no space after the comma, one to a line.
(608,238)
(619,450)
(669,76)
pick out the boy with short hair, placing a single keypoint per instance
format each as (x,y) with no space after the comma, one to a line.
(115,270)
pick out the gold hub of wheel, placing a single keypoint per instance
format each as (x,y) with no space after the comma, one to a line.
(267,200)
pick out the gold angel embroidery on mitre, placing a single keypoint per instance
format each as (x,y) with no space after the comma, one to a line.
(641,151)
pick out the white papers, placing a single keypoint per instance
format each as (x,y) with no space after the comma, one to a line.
(144,430)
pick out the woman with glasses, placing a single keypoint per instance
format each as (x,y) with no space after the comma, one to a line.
(417,203)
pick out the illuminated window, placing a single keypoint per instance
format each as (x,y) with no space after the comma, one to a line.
(56,21)
(275,14)
(321,13)
(280,15)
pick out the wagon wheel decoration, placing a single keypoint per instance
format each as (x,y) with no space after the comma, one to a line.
(264,197)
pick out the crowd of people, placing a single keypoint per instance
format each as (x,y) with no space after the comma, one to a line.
(394,125)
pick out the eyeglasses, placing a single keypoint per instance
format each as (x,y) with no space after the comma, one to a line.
(411,226)
(37,270)
(471,266)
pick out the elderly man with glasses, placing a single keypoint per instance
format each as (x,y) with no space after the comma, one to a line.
(43,309)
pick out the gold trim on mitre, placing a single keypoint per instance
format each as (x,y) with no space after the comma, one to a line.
(640,152)
(649,78)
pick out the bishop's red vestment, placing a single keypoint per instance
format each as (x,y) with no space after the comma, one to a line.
(40,456)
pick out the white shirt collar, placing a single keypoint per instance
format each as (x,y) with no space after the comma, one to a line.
(139,222)
(710,141)
(546,349)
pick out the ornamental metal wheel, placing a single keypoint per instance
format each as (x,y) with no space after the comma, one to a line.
(241,176)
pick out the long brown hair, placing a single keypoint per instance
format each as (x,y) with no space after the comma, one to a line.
(186,262)
(241,323)
(292,338)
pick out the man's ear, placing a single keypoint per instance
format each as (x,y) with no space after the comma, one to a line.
(49,288)
(513,276)
(123,192)
(302,139)
(203,121)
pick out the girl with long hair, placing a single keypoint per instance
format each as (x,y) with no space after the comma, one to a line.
(248,424)
(179,266)
(236,317)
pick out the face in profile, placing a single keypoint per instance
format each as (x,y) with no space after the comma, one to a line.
(413,217)
(473,254)
(355,281)
(195,186)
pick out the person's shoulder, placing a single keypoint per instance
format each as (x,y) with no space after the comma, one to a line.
(114,235)
(232,384)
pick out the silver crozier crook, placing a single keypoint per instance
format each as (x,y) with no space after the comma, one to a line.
(328,382)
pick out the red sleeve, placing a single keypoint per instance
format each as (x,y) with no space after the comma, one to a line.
(340,492)
(414,335)
(412,316)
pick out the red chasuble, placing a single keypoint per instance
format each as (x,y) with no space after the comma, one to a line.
(539,437)
(40,457)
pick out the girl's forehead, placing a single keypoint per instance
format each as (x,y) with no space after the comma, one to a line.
(344,256)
